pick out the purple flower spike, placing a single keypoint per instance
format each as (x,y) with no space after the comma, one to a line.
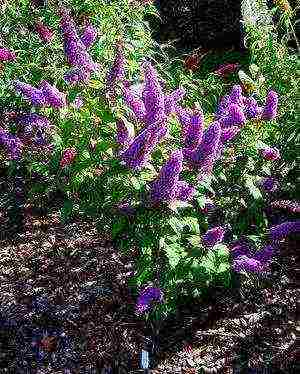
(117,71)
(265,254)
(171,101)
(53,96)
(34,95)
(213,236)
(153,96)
(194,132)
(204,156)
(11,144)
(164,187)
(270,109)
(290,205)
(234,116)
(270,154)
(125,133)
(223,106)
(281,231)
(247,264)
(33,120)
(269,184)
(236,96)
(229,134)
(185,192)
(76,75)
(147,297)
(7,55)
(137,154)
(89,36)
(135,104)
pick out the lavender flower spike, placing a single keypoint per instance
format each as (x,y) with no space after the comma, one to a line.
(125,133)
(164,187)
(184,191)
(89,36)
(147,296)
(53,96)
(11,144)
(270,109)
(281,231)
(244,263)
(137,154)
(134,103)
(194,132)
(153,96)
(229,134)
(117,71)
(265,254)
(270,154)
(213,236)
(234,116)
(236,96)
(34,95)
(204,156)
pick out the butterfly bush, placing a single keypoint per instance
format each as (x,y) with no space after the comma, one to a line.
(244,263)
(229,134)
(153,96)
(204,156)
(213,236)
(137,154)
(89,35)
(7,55)
(194,132)
(269,184)
(45,95)
(33,128)
(291,206)
(281,231)
(125,133)
(44,32)
(117,70)
(68,157)
(134,103)
(147,296)
(270,154)
(225,69)
(75,51)
(270,109)
(11,145)
(167,186)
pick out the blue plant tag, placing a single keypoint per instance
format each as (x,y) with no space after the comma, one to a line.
(145,360)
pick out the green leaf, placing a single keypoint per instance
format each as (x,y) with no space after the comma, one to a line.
(174,253)
(66,210)
(254,191)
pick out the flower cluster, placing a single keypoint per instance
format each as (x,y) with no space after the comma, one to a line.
(117,71)
(44,95)
(270,154)
(11,144)
(213,236)
(6,55)
(291,206)
(167,186)
(68,157)
(269,184)
(32,129)
(76,49)
(281,231)
(137,154)
(147,297)
(44,32)
(225,70)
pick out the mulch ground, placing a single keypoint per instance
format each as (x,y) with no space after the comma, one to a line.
(64,301)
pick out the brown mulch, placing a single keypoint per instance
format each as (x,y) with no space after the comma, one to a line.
(84,278)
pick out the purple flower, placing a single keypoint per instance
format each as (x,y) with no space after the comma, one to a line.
(213,236)
(171,100)
(205,154)
(251,108)
(146,297)
(184,116)
(53,96)
(236,96)
(281,231)
(229,134)
(194,132)
(11,144)
(34,95)
(125,133)
(137,154)
(153,96)
(76,75)
(292,206)
(75,51)
(234,116)
(117,71)
(134,103)
(7,55)
(270,154)
(244,263)
(34,121)
(78,102)
(265,254)
(270,109)
(223,106)
(89,36)
(45,33)
(164,187)
(269,184)
(184,191)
